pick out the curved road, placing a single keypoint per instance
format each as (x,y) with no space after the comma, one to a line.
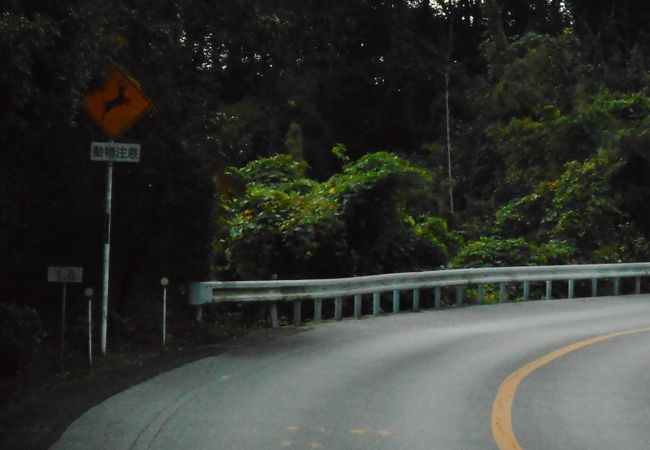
(409,381)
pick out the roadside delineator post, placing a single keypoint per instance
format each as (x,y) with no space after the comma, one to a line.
(164,281)
(88,292)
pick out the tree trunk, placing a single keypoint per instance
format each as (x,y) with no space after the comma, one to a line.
(447,66)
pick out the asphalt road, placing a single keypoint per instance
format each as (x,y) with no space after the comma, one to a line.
(409,381)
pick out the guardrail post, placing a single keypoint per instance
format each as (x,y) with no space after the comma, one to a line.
(357,306)
(549,289)
(481,294)
(571,288)
(296,312)
(637,285)
(395,301)
(617,286)
(459,295)
(502,292)
(375,303)
(526,290)
(199,294)
(318,309)
(275,323)
(594,287)
(338,308)
(438,295)
(416,299)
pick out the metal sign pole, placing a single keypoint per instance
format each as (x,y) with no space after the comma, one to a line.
(114,115)
(107,252)
(65,285)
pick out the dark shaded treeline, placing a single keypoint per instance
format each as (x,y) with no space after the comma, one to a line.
(228,78)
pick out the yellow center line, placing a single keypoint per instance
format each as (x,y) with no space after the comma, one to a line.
(502,406)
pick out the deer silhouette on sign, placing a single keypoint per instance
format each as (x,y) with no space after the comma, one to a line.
(120,99)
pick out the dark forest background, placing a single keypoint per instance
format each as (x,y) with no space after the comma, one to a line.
(312,139)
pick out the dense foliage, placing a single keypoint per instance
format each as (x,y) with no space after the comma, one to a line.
(548,125)
(360,221)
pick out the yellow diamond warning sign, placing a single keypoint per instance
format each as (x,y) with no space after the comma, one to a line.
(118,104)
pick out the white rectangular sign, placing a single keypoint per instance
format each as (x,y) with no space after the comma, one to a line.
(64,274)
(114,151)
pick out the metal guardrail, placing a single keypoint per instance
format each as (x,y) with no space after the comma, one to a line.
(319,290)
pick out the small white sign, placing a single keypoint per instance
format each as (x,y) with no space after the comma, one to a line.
(113,151)
(64,274)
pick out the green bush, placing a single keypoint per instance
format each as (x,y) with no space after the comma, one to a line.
(360,221)
(554,252)
(494,252)
(20,335)
(575,218)
(434,243)
(522,216)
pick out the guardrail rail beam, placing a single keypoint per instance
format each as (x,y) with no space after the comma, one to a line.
(274,291)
